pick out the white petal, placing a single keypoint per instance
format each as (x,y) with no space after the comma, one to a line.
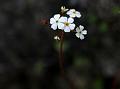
(84,32)
(62,7)
(72,26)
(70,20)
(81,36)
(81,27)
(57,38)
(63,19)
(67,29)
(73,15)
(66,10)
(72,10)
(54,26)
(57,16)
(77,29)
(69,12)
(52,21)
(77,35)
(60,25)
(78,14)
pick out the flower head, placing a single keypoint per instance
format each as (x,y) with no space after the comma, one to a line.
(73,13)
(68,24)
(80,32)
(63,9)
(56,37)
(55,23)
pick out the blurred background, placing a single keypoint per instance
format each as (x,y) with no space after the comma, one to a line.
(29,54)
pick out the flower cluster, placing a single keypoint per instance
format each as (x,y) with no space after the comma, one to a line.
(65,21)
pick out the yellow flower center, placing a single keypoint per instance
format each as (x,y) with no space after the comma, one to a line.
(74,12)
(66,24)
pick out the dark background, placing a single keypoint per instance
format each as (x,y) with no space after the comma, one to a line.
(29,54)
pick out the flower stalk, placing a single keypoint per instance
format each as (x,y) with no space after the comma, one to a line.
(64,22)
(61,58)
(115,80)
(61,62)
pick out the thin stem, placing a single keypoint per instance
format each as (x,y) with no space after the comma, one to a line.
(114,83)
(61,59)
(61,62)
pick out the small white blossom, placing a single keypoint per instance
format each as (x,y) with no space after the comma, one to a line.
(55,23)
(73,13)
(60,21)
(80,32)
(63,9)
(68,24)
(57,38)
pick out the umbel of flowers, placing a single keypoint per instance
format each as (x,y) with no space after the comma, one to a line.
(65,22)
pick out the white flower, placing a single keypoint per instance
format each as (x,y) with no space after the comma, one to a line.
(73,13)
(68,24)
(80,32)
(55,23)
(57,38)
(63,9)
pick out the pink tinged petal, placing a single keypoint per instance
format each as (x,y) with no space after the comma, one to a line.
(81,36)
(63,19)
(70,20)
(78,14)
(60,25)
(72,26)
(77,35)
(57,16)
(67,29)
(81,27)
(52,21)
(54,26)
(84,32)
